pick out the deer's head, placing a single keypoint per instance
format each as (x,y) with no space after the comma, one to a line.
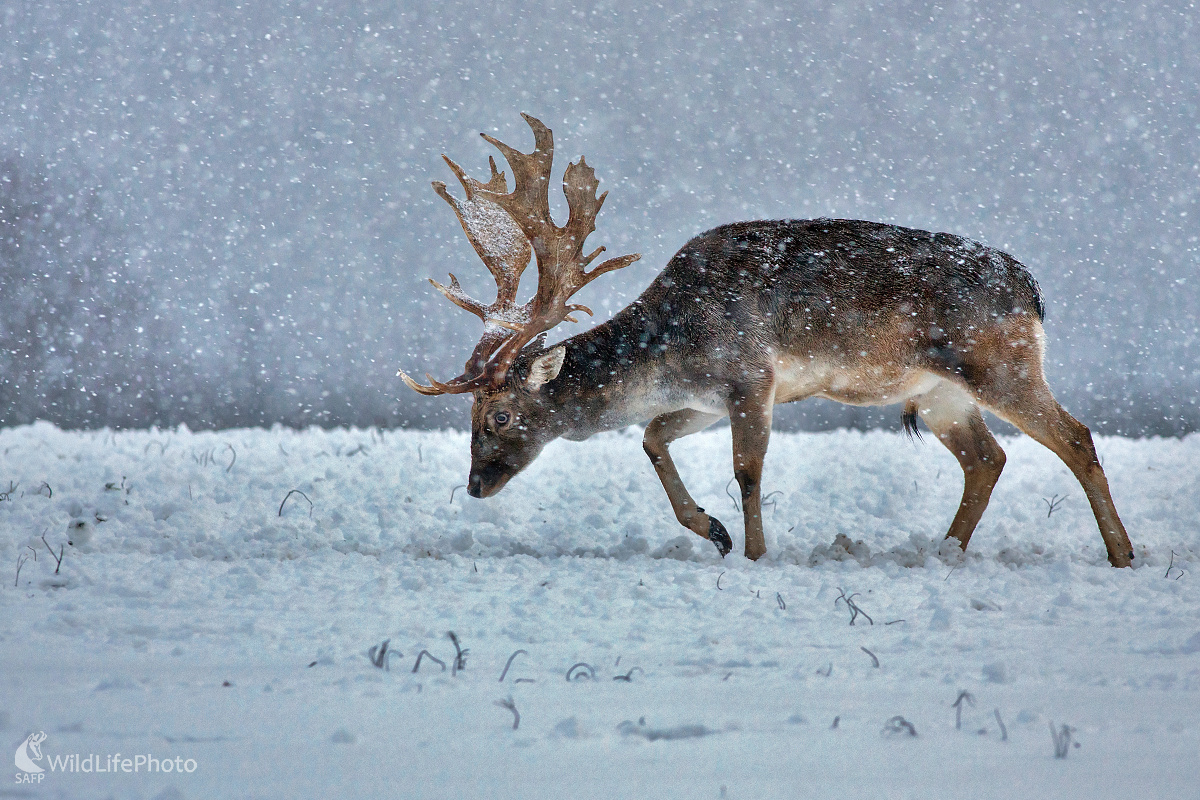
(512,423)
(509,422)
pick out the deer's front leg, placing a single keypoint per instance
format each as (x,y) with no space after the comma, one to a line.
(660,433)
(750,419)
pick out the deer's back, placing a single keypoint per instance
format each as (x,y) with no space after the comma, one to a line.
(801,283)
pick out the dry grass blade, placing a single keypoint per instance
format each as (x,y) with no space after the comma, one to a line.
(898,726)
(855,611)
(509,663)
(1062,740)
(380,655)
(963,696)
(460,655)
(302,494)
(511,706)
(584,669)
(431,657)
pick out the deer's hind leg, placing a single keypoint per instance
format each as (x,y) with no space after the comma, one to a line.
(1015,390)
(1033,409)
(955,420)
(661,431)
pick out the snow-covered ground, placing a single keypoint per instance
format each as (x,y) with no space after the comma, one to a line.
(192,619)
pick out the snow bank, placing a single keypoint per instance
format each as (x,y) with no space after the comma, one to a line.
(272,561)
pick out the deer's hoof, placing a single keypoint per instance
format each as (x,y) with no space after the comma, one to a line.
(719,536)
(1117,559)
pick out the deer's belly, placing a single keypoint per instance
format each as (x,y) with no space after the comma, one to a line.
(859,384)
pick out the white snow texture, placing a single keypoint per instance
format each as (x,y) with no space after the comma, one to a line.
(203,610)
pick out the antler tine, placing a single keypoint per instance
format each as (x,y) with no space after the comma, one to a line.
(428,391)
(477,374)
(506,228)
(496,183)
(559,250)
(529,203)
(456,295)
(499,242)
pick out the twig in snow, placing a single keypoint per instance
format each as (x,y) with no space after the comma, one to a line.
(719,589)
(779,599)
(628,676)
(836,720)
(420,458)
(49,491)
(957,706)
(12,487)
(1172,566)
(455,489)
(233,460)
(431,657)
(380,655)
(285,499)
(21,559)
(1052,504)
(511,706)
(893,622)
(1003,730)
(850,604)
(771,501)
(588,670)
(898,726)
(460,655)
(736,505)
(1062,740)
(874,659)
(509,663)
(58,558)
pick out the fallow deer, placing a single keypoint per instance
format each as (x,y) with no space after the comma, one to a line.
(744,317)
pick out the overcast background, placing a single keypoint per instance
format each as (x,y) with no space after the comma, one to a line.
(220,215)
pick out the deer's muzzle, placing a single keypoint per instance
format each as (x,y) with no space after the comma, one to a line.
(487,480)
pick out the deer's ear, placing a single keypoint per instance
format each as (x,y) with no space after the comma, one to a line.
(545,368)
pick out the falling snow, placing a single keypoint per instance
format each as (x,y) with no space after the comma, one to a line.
(260,225)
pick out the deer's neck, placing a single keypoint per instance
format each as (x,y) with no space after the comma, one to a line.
(612,377)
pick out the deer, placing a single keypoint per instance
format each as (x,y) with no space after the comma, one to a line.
(744,317)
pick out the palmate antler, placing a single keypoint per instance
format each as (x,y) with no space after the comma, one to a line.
(504,228)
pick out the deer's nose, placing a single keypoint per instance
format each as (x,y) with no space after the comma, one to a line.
(486,480)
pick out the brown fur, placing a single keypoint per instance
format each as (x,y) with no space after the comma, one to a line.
(757,313)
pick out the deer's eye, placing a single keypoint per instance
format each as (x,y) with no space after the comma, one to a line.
(501,417)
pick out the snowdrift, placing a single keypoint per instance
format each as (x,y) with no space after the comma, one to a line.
(224,597)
